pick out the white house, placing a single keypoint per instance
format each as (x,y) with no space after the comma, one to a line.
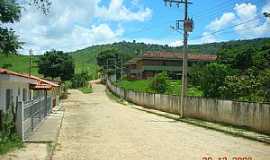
(16,87)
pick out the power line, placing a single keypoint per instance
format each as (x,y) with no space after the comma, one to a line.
(224,29)
(214,11)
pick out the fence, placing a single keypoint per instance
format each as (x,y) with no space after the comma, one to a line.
(255,116)
(1,120)
(29,115)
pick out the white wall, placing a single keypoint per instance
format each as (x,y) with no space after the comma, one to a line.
(15,86)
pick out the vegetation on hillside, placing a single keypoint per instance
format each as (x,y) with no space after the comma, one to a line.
(56,64)
(19,63)
(86,59)
(242,73)
(81,81)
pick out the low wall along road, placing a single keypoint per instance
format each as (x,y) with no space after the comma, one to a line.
(255,116)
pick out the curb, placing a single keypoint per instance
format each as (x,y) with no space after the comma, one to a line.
(230,130)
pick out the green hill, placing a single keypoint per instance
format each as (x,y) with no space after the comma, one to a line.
(18,63)
(85,59)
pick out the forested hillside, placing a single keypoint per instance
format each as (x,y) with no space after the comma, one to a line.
(242,72)
(85,59)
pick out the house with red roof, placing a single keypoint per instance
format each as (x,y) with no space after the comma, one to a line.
(151,63)
(17,87)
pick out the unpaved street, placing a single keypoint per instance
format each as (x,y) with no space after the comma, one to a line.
(97,128)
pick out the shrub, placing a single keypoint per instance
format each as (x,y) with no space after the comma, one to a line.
(159,83)
(8,136)
(80,80)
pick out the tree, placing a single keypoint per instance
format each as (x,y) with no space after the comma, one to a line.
(56,64)
(264,79)
(10,12)
(212,82)
(44,5)
(242,87)
(115,60)
(243,60)
(160,82)
(8,41)
(105,55)
(80,80)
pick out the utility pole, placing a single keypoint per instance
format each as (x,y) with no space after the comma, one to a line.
(107,70)
(266,14)
(187,27)
(121,69)
(30,62)
(115,66)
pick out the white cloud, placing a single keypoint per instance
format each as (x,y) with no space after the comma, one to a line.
(266,8)
(71,24)
(221,22)
(208,38)
(251,25)
(116,11)
(245,10)
(245,14)
(79,37)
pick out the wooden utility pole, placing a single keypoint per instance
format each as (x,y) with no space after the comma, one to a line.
(30,61)
(188,27)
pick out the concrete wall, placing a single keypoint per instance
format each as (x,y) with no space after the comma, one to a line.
(255,116)
(16,84)
(17,91)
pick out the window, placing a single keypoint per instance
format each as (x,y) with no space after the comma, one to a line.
(9,98)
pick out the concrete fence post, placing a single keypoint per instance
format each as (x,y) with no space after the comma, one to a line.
(20,120)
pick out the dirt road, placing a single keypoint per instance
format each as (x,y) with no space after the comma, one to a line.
(97,128)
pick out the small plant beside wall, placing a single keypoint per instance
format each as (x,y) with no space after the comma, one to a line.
(9,140)
(160,83)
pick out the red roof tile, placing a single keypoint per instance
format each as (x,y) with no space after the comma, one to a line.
(39,80)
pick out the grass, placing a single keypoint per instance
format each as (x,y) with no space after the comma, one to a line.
(86,90)
(19,63)
(174,87)
(8,144)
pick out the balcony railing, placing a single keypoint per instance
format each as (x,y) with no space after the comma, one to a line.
(162,68)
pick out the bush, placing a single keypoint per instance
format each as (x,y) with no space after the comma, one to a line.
(8,137)
(159,83)
(80,80)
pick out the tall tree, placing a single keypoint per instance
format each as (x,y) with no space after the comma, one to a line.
(56,64)
(212,82)
(10,12)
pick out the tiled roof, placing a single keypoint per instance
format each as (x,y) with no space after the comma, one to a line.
(43,81)
(41,87)
(173,55)
(37,79)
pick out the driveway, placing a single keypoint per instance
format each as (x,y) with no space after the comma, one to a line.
(97,128)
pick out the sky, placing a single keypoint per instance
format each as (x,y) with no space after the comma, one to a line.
(76,24)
